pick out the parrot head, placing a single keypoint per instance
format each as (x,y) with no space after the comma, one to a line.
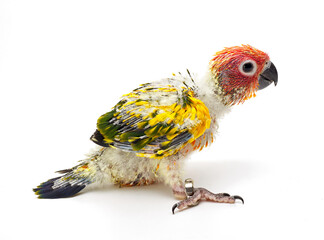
(238,72)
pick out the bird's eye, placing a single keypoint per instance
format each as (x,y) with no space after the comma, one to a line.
(248,67)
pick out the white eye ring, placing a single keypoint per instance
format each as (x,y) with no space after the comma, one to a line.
(248,67)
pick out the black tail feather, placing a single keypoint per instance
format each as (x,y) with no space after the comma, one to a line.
(46,184)
(71,181)
(66,189)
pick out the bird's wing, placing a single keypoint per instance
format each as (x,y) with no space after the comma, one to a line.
(155,120)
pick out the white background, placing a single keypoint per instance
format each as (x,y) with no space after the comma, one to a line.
(64,63)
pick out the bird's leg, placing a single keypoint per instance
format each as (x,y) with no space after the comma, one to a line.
(195,195)
(179,191)
(169,172)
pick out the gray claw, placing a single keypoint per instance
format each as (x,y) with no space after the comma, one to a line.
(238,197)
(174,207)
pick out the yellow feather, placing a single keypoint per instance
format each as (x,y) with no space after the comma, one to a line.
(170,137)
(177,108)
(149,132)
(193,114)
(141,124)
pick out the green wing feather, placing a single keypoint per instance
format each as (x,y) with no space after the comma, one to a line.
(155,120)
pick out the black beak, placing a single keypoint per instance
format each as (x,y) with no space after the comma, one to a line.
(268,76)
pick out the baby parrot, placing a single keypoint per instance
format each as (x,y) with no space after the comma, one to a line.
(151,130)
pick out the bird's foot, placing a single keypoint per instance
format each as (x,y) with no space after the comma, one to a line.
(195,195)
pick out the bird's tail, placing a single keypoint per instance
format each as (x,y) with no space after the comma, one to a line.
(72,181)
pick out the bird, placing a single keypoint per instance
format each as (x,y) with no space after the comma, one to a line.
(151,131)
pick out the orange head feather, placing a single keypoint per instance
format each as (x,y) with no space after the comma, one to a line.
(236,71)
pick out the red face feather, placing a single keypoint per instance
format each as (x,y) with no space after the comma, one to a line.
(236,70)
